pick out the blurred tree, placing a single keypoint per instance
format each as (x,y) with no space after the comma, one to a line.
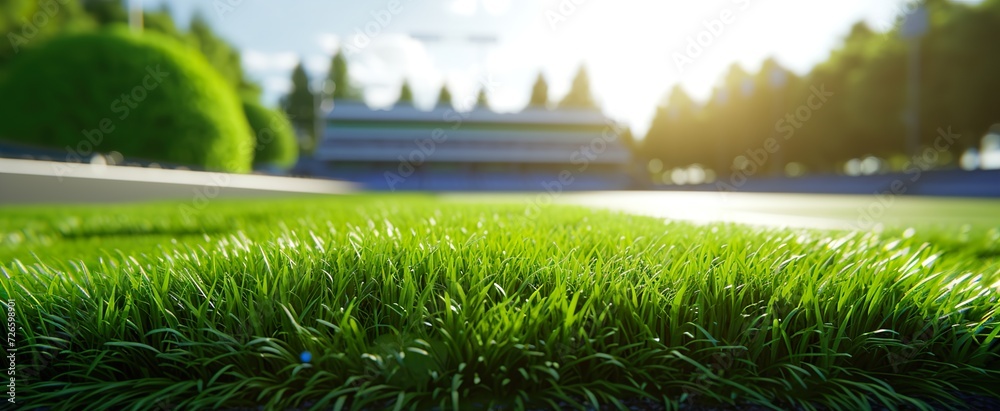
(716,128)
(627,139)
(405,94)
(829,137)
(864,116)
(221,55)
(482,100)
(539,92)
(444,97)
(106,12)
(875,98)
(732,115)
(162,21)
(960,82)
(579,95)
(146,96)
(674,136)
(773,90)
(25,24)
(300,103)
(339,75)
(276,147)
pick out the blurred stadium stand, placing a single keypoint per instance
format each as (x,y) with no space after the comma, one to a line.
(442,150)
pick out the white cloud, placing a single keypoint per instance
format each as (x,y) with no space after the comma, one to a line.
(257,61)
(317,64)
(471,7)
(464,87)
(391,57)
(496,7)
(463,7)
(277,85)
(329,42)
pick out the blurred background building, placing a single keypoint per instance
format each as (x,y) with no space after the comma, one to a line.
(404,148)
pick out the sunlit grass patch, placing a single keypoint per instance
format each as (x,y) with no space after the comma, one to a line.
(409,302)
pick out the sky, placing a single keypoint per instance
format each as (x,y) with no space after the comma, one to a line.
(634,50)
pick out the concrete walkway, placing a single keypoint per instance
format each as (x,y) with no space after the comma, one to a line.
(33,181)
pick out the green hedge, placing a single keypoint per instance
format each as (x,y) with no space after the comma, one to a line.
(276,145)
(145,96)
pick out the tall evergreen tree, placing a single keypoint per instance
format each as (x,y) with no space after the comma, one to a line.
(579,95)
(339,75)
(482,100)
(540,92)
(300,103)
(444,97)
(405,93)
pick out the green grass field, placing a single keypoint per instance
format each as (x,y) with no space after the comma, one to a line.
(410,302)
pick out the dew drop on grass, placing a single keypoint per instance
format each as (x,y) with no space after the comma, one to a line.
(389,228)
(891,245)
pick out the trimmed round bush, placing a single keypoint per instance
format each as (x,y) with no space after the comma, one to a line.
(276,145)
(143,95)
